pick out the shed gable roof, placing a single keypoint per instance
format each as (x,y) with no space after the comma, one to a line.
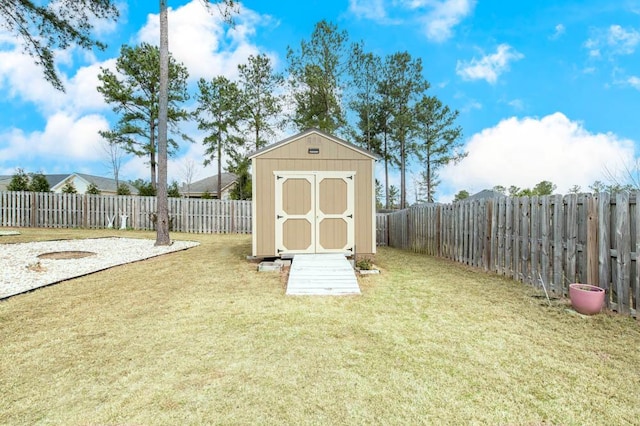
(301,135)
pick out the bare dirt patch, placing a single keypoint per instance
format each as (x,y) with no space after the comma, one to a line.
(69,254)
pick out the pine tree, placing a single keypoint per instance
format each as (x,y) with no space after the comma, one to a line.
(42,27)
(438,139)
(316,74)
(219,112)
(261,104)
(135,96)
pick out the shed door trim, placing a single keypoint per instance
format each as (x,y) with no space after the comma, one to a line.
(328,229)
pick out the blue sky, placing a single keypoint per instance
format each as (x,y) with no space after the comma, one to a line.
(546,90)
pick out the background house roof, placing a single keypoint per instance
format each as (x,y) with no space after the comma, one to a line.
(210,184)
(53,180)
(106,184)
(103,183)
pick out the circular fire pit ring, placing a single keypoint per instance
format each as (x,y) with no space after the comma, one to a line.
(68,254)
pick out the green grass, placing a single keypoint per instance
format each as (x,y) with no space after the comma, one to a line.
(200,337)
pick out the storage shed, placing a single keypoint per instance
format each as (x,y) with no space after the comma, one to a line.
(313,193)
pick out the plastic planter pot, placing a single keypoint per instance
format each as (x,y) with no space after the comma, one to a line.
(586,299)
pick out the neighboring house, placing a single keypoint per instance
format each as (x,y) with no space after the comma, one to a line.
(210,185)
(81,182)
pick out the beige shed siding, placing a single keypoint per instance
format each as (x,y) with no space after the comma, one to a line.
(294,156)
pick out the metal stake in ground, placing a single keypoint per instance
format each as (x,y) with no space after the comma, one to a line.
(544,288)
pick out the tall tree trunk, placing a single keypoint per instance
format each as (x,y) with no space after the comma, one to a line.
(152,167)
(428,178)
(219,169)
(257,138)
(403,165)
(386,174)
(152,154)
(162,223)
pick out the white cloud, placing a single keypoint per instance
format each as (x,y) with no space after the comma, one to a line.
(634,82)
(200,40)
(444,16)
(523,152)
(471,105)
(559,31)
(22,79)
(369,9)
(517,104)
(438,17)
(65,139)
(488,67)
(135,168)
(622,40)
(614,40)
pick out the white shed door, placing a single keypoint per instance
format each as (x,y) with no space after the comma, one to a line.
(314,212)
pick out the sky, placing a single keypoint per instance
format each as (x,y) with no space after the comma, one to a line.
(546,90)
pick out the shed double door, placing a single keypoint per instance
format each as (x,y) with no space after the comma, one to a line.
(314,212)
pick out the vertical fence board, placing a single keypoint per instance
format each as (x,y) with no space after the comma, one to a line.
(571,237)
(623,248)
(525,240)
(604,244)
(508,238)
(516,239)
(535,242)
(558,218)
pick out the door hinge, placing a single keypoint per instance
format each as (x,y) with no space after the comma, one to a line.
(350,177)
(350,216)
(278,177)
(279,217)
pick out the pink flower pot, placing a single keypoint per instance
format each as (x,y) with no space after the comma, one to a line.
(585,298)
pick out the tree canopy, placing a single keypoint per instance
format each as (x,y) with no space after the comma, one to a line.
(34,182)
(134,92)
(261,102)
(43,26)
(316,72)
(219,112)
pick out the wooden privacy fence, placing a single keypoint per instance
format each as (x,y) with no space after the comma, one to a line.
(553,239)
(51,210)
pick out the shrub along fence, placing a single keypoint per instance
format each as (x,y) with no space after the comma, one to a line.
(555,240)
(51,210)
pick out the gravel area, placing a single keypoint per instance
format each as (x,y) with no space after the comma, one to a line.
(21,270)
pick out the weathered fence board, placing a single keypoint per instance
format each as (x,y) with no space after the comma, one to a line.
(555,240)
(51,210)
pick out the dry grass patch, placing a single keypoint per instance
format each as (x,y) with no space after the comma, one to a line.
(200,337)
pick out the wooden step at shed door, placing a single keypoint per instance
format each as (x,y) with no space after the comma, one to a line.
(314,212)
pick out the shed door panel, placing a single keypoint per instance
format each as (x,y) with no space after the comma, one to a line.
(295,213)
(314,212)
(334,216)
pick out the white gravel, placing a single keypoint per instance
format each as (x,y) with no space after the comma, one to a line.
(21,270)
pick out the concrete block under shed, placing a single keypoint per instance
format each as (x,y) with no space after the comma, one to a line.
(270,267)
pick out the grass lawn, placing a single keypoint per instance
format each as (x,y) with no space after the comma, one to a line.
(200,337)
